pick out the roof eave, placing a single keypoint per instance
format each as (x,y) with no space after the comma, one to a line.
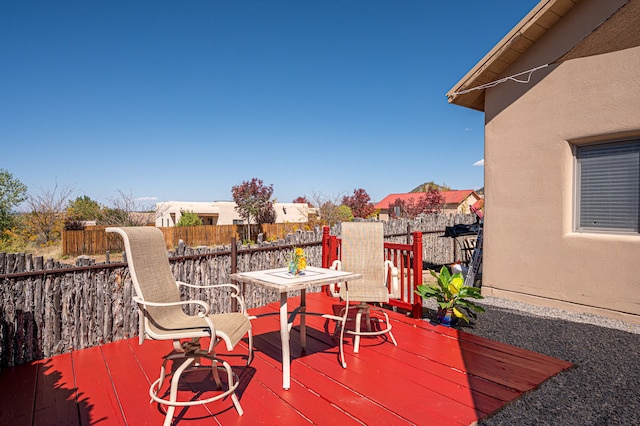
(541,18)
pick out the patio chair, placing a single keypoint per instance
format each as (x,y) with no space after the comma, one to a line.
(161,317)
(362,251)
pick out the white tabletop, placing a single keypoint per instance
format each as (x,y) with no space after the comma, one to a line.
(281,280)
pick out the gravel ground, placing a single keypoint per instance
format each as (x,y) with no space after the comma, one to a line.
(603,388)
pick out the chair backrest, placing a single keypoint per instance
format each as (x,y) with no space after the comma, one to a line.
(150,272)
(362,251)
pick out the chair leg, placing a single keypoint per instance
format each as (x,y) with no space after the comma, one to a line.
(250,357)
(386,318)
(232,387)
(358,332)
(393,339)
(163,372)
(356,340)
(215,373)
(341,322)
(173,393)
(367,316)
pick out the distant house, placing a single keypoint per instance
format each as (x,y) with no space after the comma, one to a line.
(456,201)
(223,212)
(561,99)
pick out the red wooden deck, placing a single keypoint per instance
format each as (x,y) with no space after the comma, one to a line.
(434,376)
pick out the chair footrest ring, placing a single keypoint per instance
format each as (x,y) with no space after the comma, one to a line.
(156,385)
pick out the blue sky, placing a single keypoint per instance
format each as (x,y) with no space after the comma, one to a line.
(181,100)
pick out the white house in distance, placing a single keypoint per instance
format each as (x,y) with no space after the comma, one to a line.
(168,213)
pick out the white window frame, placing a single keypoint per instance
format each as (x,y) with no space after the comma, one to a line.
(607,187)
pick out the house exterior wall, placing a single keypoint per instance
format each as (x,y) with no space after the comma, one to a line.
(453,209)
(531,251)
(224,213)
(463,207)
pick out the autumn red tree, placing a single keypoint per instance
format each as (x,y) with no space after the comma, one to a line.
(359,203)
(267,215)
(302,200)
(253,202)
(401,209)
(431,201)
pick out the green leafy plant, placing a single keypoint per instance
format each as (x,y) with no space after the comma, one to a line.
(189,218)
(451,294)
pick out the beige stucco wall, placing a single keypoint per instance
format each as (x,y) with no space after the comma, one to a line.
(224,213)
(531,251)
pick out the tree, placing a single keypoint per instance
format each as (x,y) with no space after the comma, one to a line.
(430,202)
(434,201)
(46,213)
(303,200)
(253,201)
(80,210)
(84,208)
(398,209)
(326,212)
(127,210)
(12,193)
(267,215)
(359,203)
(344,214)
(189,218)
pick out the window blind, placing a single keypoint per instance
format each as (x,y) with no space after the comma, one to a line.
(609,186)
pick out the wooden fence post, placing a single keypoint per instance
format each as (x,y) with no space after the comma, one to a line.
(234,269)
(416,308)
(325,247)
(329,251)
(234,255)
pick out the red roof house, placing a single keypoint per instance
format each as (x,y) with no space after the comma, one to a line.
(456,201)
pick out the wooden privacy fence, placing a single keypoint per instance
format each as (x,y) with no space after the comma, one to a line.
(95,241)
(437,250)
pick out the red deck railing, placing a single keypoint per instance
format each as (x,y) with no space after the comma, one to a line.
(406,257)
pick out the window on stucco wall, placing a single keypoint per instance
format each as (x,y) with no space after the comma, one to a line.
(608,186)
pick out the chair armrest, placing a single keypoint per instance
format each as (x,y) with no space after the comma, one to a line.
(334,288)
(233,286)
(395,286)
(202,303)
(235,293)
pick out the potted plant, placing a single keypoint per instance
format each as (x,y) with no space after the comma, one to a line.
(451,295)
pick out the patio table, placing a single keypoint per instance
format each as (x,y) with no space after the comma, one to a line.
(280,280)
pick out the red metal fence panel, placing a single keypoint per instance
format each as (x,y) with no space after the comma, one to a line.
(406,257)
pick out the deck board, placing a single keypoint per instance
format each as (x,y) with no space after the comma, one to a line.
(129,382)
(435,375)
(18,385)
(55,399)
(94,385)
